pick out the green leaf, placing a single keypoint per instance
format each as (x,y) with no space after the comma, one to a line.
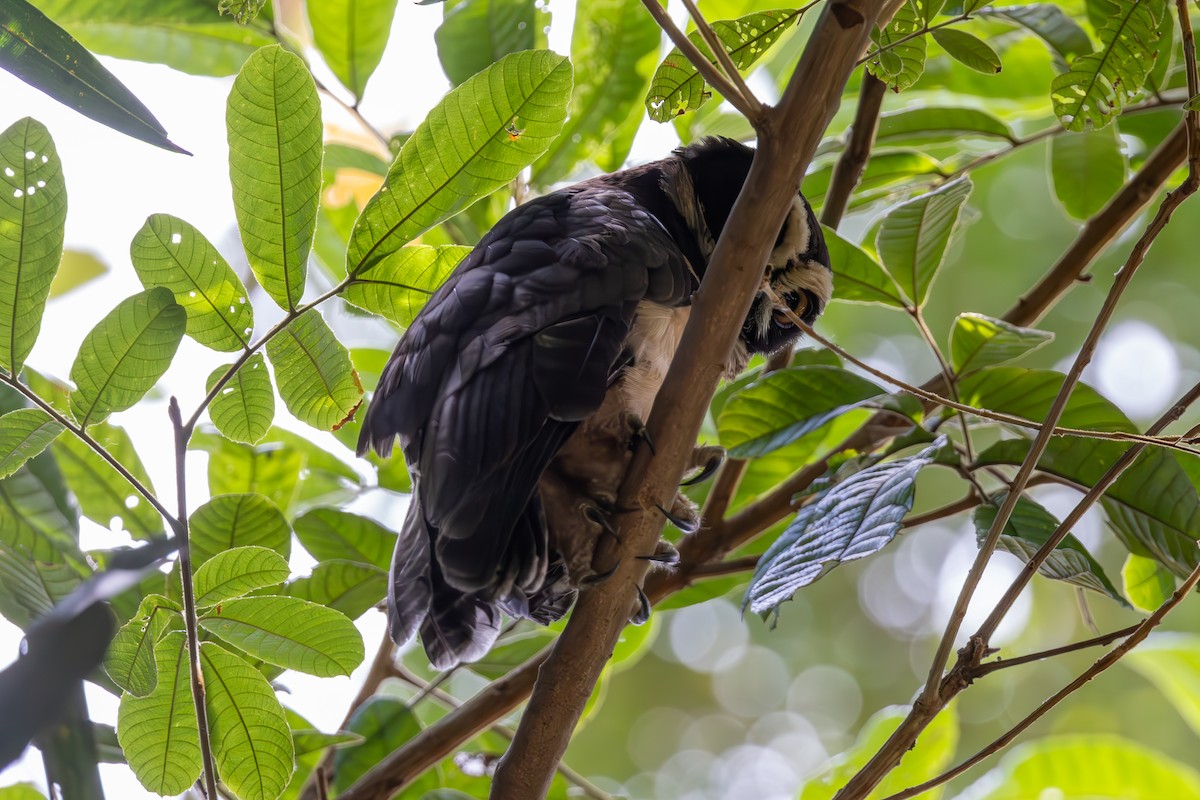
(613,48)
(169,252)
(23,434)
(886,172)
(270,469)
(477,33)
(978,341)
(852,520)
(329,533)
(77,268)
(385,723)
(245,407)
(130,661)
(290,632)
(36,513)
(401,285)
(158,732)
(677,87)
(1153,507)
(1086,767)
(351,36)
(1099,84)
(343,585)
(30,588)
(859,278)
(274,123)
(1147,584)
(913,238)
(1171,661)
(781,407)
(252,744)
(316,379)
(1030,527)
(931,755)
(47,58)
(33,213)
(21,791)
(938,124)
(968,50)
(314,741)
(102,492)
(237,520)
(478,138)
(1066,37)
(901,64)
(1088,169)
(124,356)
(183,34)
(238,571)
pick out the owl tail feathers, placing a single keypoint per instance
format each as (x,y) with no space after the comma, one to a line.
(455,626)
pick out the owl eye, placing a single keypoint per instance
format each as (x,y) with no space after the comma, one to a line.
(793,300)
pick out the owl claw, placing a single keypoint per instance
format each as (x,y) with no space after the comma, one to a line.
(600,518)
(713,458)
(640,616)
(684,524)
(638,430)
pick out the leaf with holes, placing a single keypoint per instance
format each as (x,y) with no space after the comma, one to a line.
(124,356)
(274,124)
(1147,583)
(316,379)
(237,520)
(351,36)
(478,138)
(859,278)
(169,252)
(130,660)
(245,407)
(1030,527)
(23,434)
(852,520)
(1088,169)
(158,732)
(978,341)
(1098,85)
(900,51)
(252,744)
(33,213)
(350,587)
(103,493)
(329,533)
(290,632)
(238,571)
(678,88)
(914,235)
(968,50)
(401,285)
(48,58)
(779,408)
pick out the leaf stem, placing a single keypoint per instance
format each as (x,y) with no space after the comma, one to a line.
(730,69)
(947,373)
(87,439)
(917,34)
(191,627)
(1097,641)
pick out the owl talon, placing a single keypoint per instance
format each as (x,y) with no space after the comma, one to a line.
(714,458)
(640,616)
(684,524)
(599,577)
(638,430)
(600,518)
(664,553)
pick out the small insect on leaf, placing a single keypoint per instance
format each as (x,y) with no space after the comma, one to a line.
(513,131)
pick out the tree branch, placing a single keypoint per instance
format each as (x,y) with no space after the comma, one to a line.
(722,55)
(850,164)
(1098,641)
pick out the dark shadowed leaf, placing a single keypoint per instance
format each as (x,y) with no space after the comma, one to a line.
(48,58)
(401,285)
(351,35)
(968,50)
(1088,169)
(677,87)
(124,356)
(783,406)
(913,238)
(158,732)
(33,213)
(978,341)
(252,744)
(274,124)
(479,137)
(316,379)
(130,661)
(385,723)
(245,407)
(237,520)
(852,520)
(1030,527)
(169,252)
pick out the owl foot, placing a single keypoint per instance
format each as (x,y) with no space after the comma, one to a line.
(708,459)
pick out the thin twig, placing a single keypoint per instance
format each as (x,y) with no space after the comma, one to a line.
(1139,634)
(722,568)
(1097,641)
(916,34)
(715,77)
(853,160)
(722,55)
(957,507)
(87,439)
(190,624)
(947,373)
